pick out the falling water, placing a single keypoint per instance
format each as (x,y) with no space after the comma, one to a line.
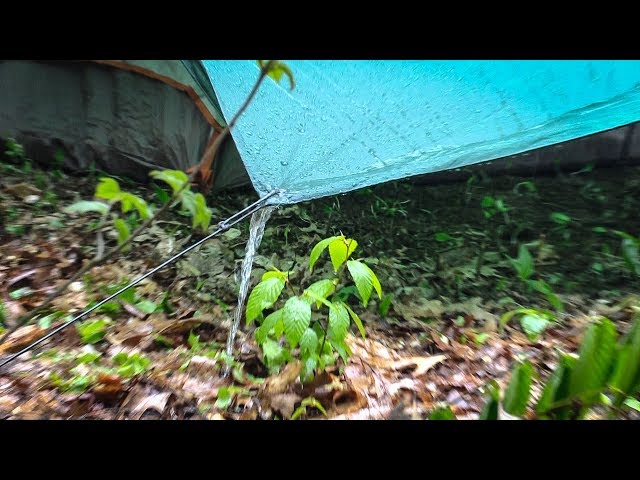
(256,230)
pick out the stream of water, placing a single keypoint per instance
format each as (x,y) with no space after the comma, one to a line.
(256,230)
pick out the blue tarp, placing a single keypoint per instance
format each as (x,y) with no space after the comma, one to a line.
(350,124)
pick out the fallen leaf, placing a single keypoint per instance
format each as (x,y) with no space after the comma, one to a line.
(157,402)
(22,190)
(418,365)
(280,382)
(21,338)
(284,403)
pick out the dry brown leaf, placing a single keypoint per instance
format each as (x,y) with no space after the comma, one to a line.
(22,190)
(420,364)
(21,338)
(284,403)
(157,402)
(141,399)
(281,382)
(108,387)
(130,334)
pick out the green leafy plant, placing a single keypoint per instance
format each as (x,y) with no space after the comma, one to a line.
(308,402)
(92,331)
(605,373)
(385,305)
(109,193)
(131,365)
(491,206)
(562,221)
(442,413)
(533,321)
(194,204)
(311,324)
(524,266)
(15,150)
(630,248)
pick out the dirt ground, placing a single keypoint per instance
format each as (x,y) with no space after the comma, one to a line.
(444,267)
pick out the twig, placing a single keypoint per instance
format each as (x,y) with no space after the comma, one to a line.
(100,260)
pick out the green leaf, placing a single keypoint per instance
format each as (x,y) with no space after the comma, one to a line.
(490,410)
(108,188)
(556,389)
(364,279)
(523,264)
(310,296)
(123,231)
(273,353)
(162,196)
(506,317)
(193,341)
(131,365)
(309,367)
(480,338)
(276,69)
(130,201)
(20,293)
(165,305)
(487,202)
(318,249)
(79,383)
(516,396)
(224,399)
(120,358)
(176,179)
(319,289)
(594,364)
(202,215)
(627,236)
(631,255)
(560,218)
(263,330)
(275,274)
(92,331)
(626,374)
(544,288)
(356,320)
(312,402)
(308,342)
(296,319)
(385,304)
(632,403)
(338,251)
(146,306)
(84,206)
(338,322)
(442,237)
(264,295)
(46,321)
(442,413)
(533,325)
(599,230)
(88,357)
(342,348)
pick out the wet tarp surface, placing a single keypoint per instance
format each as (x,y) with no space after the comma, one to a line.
(350,124)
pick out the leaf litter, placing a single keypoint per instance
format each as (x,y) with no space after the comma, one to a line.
(437,343)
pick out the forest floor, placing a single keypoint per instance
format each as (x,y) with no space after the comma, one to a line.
(444,267)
